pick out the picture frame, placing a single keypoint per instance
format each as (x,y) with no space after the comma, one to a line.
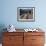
(26,14)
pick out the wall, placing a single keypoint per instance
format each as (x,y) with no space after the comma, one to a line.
(9,13)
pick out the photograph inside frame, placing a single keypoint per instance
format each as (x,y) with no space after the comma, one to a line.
(26,13)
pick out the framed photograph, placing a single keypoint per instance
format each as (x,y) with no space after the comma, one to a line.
(26,14)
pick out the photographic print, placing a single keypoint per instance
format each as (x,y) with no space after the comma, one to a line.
(26,14)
